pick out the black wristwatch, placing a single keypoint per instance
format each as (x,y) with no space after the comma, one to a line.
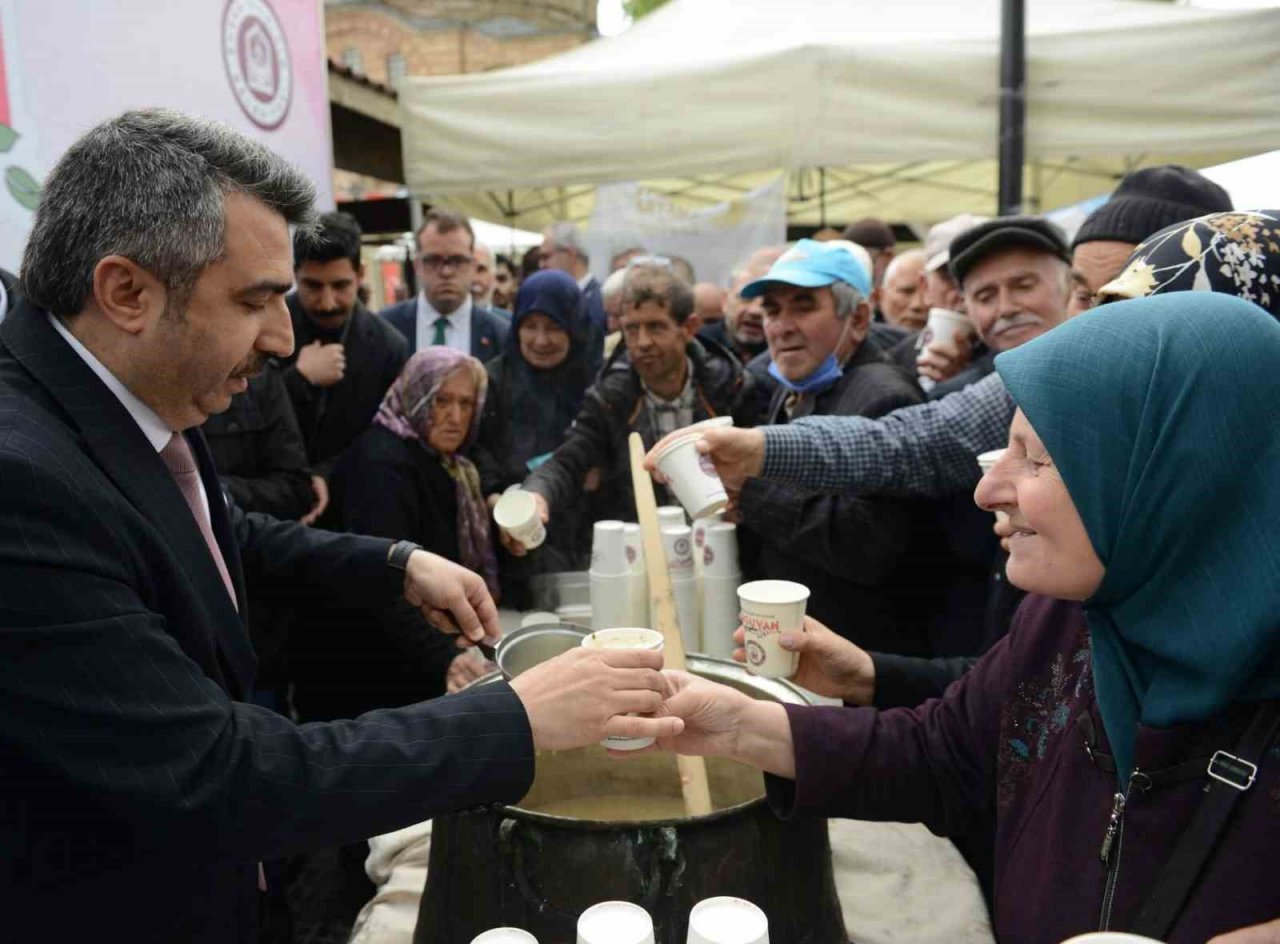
(399,554)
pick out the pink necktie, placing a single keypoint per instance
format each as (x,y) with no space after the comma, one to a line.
(182,466)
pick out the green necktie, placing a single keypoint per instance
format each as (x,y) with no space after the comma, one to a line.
(441,323)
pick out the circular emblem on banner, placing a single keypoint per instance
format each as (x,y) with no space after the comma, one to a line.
(256,58)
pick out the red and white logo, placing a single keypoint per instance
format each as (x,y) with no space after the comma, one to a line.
(256,58)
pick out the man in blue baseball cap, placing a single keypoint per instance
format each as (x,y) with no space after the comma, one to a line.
(848,550)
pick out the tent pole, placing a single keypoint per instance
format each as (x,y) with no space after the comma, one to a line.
(1013,103)
(822,198)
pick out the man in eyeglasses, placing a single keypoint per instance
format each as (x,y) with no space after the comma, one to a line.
(444,312)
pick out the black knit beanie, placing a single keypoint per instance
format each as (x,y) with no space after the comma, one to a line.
(1150,199)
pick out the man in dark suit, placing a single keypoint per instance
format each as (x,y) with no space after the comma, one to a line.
(139,793)
(344,357)
(443,312)
(8,292)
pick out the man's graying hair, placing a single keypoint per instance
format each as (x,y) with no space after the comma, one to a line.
(847,299)
(149,185)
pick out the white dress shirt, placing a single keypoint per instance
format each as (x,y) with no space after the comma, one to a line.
(457,332)
(155,429)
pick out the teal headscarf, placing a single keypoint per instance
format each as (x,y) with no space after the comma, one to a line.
(1161,416)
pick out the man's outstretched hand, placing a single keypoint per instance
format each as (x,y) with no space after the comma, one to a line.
(738,454)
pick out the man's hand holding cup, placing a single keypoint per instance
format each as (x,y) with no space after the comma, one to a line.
(738,454)
(587,695)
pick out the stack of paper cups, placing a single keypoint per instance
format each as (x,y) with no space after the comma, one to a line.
(671,516)
(638,585)
(720,580)
(677,542)
(610,577)
(700,538)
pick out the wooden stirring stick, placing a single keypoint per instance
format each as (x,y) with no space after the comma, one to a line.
(693,770)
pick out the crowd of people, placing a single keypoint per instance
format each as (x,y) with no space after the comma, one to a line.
(1036,691)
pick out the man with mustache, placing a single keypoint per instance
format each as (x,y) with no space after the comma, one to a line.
(344,357)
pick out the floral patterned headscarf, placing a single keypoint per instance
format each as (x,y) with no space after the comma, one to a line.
(1236,253)
(407,411)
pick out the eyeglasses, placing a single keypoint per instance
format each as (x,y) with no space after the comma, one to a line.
(436,263)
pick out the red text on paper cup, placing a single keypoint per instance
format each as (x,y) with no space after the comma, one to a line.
(760,624)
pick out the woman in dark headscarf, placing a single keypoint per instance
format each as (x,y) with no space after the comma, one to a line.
(536,386)
(406,478)
(1139,481)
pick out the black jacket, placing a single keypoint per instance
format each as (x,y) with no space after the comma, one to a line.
(858,555)
(492,451)
(332,417)
(349,660)
(139,792)
(614,408)
(258,450)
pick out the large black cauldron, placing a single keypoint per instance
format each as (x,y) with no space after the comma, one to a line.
(516,866)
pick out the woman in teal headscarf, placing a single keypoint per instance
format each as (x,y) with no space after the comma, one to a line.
(1140,481)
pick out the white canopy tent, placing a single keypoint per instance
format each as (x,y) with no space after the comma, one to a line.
(872,108)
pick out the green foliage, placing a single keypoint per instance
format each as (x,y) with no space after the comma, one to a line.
(638,8)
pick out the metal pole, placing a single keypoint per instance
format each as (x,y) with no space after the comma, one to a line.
(1013,103)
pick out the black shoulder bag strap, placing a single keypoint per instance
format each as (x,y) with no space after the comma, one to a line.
(1230,776)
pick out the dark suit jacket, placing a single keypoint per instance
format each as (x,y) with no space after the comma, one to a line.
(488,331)
(332,417)
(137,794)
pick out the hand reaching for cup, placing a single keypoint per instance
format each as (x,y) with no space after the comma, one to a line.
(830,665)
(944,358)
(585,695)
(738,454)
(723,722)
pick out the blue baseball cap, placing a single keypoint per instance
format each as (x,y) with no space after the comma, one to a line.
(811,264)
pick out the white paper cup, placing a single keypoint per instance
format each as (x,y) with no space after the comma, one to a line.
(720,611)
(692,476)
(677,543)
(700,528)
(716,422)
(505,936)
(638,577)
(615,922)
(624,637)
(688,611)
(610,600)
(671,516)
(1110,937)
(987,460)
(517,514)
(770,608)
(579,614)
(720,551)
(727,921)
(538,618)
(944,325)
(609,548)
